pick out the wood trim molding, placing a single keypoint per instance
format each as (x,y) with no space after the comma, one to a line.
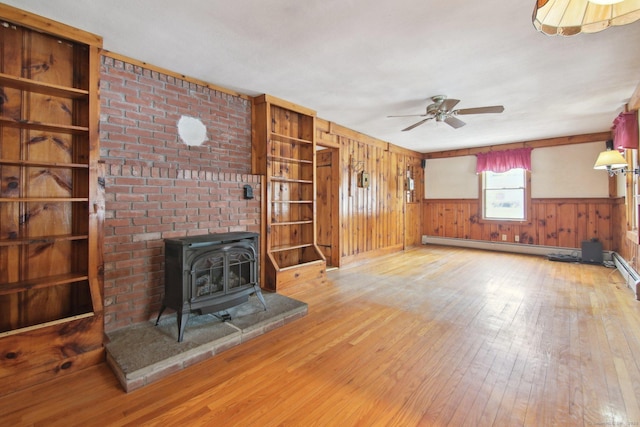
(265,98)
(634,102)
(534,201)
(339,130)
(538,143)
(46,25)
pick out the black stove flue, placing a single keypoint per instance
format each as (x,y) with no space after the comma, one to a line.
(209,274)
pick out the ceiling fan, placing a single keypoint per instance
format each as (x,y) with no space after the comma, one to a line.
(442,111)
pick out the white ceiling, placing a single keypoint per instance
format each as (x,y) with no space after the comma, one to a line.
(357,61)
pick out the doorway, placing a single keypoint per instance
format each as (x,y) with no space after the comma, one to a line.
(327,204)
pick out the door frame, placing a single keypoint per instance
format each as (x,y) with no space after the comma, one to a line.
(336,230)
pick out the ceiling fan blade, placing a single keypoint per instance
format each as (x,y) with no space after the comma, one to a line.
(448,104)
(411,115)
(454,122)
(415,125)
(481,110)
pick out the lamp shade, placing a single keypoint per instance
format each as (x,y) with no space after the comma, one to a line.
(569,17)
(610,159)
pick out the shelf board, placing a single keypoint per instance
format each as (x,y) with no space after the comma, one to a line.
(40,87)
(35,163)
(43,199)
(302,265)
(283,179)
(48,127)
(290,247)
(310,221)
(45,282)
(289,160)
(288,138)
(42,239)
(47,324)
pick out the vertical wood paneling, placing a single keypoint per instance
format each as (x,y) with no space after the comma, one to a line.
(562,223)
(604,221)
(551,222)
(378,217)
(567,221)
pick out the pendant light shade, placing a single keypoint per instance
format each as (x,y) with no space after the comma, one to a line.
(569,17)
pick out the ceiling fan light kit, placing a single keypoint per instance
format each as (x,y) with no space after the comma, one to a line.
(570,17)
(442,111)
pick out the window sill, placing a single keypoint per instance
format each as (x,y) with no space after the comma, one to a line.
(504,221)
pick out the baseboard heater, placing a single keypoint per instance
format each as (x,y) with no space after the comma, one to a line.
(630,275)
(501,246)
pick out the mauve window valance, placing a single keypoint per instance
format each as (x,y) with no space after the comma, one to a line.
(625,130)
(502,161)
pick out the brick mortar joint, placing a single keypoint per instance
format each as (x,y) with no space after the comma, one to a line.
(191,174)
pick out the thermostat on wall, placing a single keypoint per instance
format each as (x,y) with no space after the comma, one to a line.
(363,179)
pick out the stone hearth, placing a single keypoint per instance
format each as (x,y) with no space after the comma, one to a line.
(144,353)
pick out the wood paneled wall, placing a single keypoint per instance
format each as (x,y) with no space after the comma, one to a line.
(555,222)
(383,217)
(626,247)
(628,240)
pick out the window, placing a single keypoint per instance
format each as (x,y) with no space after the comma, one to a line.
(505,196)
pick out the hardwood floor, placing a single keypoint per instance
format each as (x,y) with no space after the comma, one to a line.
(433,336)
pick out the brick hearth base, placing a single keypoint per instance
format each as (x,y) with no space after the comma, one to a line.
(144,353)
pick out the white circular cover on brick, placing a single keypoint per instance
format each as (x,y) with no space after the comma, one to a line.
(191,130)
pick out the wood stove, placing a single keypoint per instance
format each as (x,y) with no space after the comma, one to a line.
(209,274)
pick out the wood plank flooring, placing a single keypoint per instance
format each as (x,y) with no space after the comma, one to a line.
(432,337)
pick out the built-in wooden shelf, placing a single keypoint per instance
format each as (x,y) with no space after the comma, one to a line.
(37,163)
(44,199)
(56,322)
(292,180)
(50,240)
(47,127)
(286,138)
(290,247)
(22,83)
(290,160)
(43,239)
(310,221)
(283,150)
(45,282)
(300,202)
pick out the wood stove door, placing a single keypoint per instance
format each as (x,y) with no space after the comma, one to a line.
(242,268)
(223,270)
(207,275)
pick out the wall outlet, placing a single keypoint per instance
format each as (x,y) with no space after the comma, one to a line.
(516,238)
(504,237)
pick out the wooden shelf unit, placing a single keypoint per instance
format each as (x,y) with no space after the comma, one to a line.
(283,150)
(51,207)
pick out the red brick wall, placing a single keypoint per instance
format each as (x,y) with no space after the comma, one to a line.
(157,187)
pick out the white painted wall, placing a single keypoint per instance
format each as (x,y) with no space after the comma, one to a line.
(451,178)
(565,171)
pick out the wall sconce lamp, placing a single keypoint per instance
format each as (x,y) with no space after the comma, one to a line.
(569,17)
(612,161)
